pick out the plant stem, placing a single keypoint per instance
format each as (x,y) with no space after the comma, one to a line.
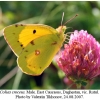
(78,86)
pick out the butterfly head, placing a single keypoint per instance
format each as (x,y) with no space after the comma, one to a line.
(61,29)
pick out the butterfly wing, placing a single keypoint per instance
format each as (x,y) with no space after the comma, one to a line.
(11,35)
(35,46)
(36,57)
(19,36)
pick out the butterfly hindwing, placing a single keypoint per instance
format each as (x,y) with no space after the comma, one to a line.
(36,57)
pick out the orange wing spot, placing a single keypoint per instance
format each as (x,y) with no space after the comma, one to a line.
(37,52)
(54,43)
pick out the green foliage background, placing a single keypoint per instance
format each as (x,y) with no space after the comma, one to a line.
(50,13)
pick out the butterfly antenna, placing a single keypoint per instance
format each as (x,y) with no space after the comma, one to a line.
(62,19)
(70,19)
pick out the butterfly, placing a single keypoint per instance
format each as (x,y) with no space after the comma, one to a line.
(35,45)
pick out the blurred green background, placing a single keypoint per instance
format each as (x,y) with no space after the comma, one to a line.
(50,13)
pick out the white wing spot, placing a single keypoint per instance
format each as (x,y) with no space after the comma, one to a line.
(37,52)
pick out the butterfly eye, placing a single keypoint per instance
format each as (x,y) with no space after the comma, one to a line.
(34,31)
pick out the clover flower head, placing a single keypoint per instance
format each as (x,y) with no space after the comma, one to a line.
(80,59)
